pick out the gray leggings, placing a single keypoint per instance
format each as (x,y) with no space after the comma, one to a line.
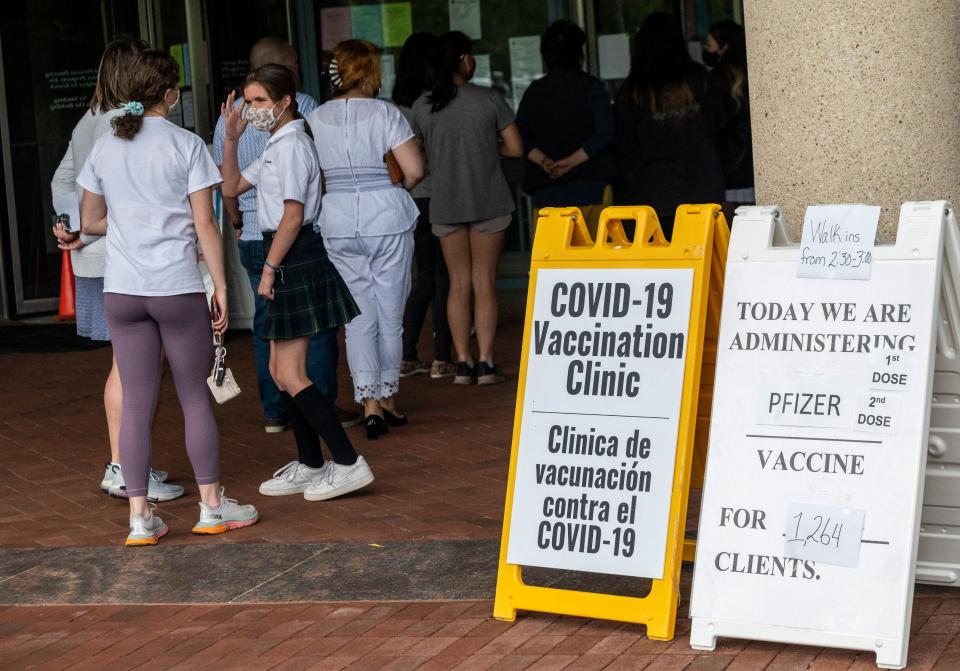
(139,326)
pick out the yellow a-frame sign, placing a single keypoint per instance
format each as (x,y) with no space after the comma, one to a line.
(607,408)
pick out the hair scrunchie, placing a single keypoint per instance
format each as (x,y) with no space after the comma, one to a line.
(134,108)
(334,71)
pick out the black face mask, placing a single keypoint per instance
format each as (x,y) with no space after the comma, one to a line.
(711,59)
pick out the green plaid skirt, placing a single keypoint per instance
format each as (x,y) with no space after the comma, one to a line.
(309,296)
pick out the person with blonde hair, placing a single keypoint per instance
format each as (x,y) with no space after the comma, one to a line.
(367,221)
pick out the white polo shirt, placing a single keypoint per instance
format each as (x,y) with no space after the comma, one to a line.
(147,182)
(288,169)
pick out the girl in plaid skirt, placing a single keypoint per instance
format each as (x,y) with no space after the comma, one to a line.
(305,291)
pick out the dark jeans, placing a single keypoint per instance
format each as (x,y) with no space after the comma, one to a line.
(322,354)
(431,283)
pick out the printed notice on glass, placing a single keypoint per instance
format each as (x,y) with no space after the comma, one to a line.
(482,75)
(388,76)
(824,534)
(465,17)
(837,242)
(397,19)
(614,56)
(600,418)
(335,26)
(366,23)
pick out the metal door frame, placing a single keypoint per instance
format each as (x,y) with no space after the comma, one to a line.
(22,306)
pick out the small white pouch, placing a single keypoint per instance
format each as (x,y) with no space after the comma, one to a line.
(221,382)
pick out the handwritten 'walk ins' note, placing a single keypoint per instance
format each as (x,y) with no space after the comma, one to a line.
(837,242)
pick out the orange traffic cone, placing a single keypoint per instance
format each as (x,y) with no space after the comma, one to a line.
(68,289)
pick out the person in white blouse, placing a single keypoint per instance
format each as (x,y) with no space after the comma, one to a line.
(305,293)
(87,251)
(367,221)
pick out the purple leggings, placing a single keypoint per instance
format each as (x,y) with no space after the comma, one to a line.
(139,326)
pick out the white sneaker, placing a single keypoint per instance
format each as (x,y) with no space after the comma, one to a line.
(229,515)
(292,479)
(109,472)
(146,532)
(156,491)
(338,480)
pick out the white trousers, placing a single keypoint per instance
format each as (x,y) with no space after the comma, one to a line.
(377,272)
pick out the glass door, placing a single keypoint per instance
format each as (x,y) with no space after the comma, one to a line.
(49,53)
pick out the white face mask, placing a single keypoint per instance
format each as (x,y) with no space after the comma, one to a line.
(262,118)
(175,102)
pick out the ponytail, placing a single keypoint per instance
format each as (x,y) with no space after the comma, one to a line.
(453,46)
(152,74)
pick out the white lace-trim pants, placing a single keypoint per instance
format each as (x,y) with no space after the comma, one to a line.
(377,272)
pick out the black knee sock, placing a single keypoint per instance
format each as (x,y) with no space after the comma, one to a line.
(308,443)
(320,412)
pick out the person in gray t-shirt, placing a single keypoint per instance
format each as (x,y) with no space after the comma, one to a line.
(465,130)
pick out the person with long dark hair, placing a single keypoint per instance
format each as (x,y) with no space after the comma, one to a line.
(725,50)
(431,283)
(465,130)
(566,121)
(666,125)
(305,292)
(148,188)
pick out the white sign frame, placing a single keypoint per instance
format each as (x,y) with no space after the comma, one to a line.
(754,240)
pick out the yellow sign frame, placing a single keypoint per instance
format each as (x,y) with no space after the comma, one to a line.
(699,242)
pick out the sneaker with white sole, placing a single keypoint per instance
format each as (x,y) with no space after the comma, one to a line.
(338,480)
(145,531)
(110,470)
(293,478)
(228,515)
(156,491)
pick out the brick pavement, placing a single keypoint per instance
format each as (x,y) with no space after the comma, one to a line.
(442,477)
(402,636)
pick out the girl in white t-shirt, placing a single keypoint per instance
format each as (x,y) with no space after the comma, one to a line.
(305,292)
(367,222)
(87,252)
(148,189)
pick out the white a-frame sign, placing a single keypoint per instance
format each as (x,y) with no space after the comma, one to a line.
(818,438)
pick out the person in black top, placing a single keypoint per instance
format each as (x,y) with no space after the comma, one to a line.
(566,122)
(666,125)
(431,283)
(725,50)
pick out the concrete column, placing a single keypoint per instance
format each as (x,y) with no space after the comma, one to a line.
(854,101)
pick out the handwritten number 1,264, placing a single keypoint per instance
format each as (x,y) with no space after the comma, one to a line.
(821,533)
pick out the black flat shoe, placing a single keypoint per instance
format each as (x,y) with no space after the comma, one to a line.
(394,420)
(375,427)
